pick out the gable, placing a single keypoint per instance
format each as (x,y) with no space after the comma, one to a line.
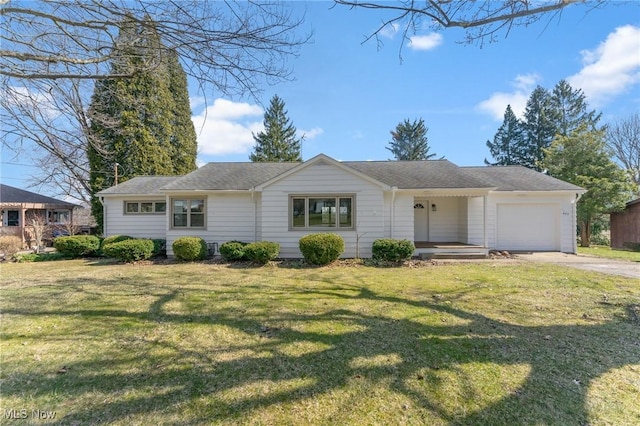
(322,177)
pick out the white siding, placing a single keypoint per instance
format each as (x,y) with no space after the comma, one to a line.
(229,217)
(133,225)
(403,214)
(561,203)
(475,221)
(443,223)
(326,180)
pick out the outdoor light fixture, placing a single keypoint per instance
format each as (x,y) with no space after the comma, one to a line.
(434,208)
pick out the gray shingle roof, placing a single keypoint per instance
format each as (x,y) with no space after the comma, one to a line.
(518,178)
(428,174)
(9,194)
(141,185)
(230,176)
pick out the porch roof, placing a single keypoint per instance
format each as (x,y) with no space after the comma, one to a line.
(12,196)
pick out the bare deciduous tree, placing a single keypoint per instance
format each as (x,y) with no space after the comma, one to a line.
(482,20)
(623,138)
(52,51)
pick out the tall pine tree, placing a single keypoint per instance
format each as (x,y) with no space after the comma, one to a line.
(539,123)
(507,147)
(142,123)
(409,141)
(278,142)
(570,110)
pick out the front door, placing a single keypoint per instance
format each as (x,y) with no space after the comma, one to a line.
(421,220)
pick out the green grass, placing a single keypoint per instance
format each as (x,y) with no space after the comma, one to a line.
(497,342)
(604,251)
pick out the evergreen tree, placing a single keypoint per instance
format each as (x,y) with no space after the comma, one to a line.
(582,159)
(278,141)
(139,123)
(570,109)
(183,138)
(507,147)
(409,141)
(539,123)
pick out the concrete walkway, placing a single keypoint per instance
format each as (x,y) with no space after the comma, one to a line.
(590,263)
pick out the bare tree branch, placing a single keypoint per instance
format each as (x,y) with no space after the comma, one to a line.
(623,138)
(482,19)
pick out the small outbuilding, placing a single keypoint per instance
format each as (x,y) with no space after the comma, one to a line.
(625,226)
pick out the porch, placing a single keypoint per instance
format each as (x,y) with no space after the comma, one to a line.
(449,250)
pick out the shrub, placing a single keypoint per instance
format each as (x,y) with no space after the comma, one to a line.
(10,245)
(130,250)
(159,246)
(262,251)
(391,250)
(321,249)
(77,245)
(40,257)
(189,248)
(233,250)
(114,239)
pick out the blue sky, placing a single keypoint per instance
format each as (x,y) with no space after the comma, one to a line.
(347,96)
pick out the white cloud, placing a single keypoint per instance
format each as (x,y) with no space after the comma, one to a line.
(612,67)
(226,127)
(312,133)
(389,30)
(425,42)
(497,103)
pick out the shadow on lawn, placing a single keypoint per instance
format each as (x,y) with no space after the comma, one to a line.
(562,361)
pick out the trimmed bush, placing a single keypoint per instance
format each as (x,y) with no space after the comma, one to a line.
(391,250)
(321,249)
(233,250)
(189,248)
(262,251)
(159,246)
(130,250)
(115,239)
(10,245)
(77,245)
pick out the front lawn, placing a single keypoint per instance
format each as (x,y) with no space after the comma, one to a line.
(605,251)
(496,342)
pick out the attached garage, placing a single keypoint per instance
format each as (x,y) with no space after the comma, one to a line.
(531,227)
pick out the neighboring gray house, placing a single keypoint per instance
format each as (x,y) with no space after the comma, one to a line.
(436,204)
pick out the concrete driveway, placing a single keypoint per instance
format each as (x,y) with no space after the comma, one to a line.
(589,263)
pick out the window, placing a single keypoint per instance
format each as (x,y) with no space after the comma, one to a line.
(188,213)
(59,216)
(13,218)
(145,207)
(316,212)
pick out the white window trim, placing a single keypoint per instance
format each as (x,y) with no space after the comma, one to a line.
(140,212)
(188,201)
(336,227)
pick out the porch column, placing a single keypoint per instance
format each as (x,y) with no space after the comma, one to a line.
(484,220)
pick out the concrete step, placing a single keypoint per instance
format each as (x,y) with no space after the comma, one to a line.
(469,255)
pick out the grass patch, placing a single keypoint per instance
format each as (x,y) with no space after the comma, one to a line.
(485,343)
(605,251)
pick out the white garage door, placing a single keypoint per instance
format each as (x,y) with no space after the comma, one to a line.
(528,227)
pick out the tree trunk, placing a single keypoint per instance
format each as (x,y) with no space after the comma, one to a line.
(585,233)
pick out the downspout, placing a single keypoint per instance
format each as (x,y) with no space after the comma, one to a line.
(255,214)
(484,220)
(104,216)
(393,210)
